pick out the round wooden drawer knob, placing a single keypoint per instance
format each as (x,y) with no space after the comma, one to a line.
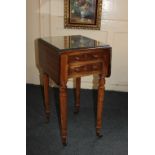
(96,56)
(76,69)
(77,58)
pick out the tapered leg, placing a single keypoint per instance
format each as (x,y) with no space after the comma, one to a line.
(77,95)
(63,114)
(100,104)
(46,95)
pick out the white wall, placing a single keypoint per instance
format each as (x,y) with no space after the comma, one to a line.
(45,18)
(33,32)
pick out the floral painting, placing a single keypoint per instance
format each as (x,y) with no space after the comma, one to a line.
(83,14)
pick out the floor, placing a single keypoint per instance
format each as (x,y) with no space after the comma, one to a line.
(44,138)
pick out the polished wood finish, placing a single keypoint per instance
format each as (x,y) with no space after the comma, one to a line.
(77,95)
(87,62)
(63,113)
(60,64)
(63,98)
(46,95)
(46,54)
(100,104)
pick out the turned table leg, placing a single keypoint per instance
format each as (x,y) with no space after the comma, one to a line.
(100,104)
(46,95)
(63,113)
(77,95)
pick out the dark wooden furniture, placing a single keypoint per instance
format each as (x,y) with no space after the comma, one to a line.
(74,56)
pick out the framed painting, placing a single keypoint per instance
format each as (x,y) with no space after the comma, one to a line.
(84,14)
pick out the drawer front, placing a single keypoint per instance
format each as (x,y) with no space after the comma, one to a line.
(85,57)
(89,62)
(75,71)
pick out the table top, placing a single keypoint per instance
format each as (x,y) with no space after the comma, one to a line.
(72,42)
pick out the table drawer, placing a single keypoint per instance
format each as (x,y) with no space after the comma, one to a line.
(85,69)
(85,57)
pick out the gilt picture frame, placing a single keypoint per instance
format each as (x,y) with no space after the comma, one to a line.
(82,14)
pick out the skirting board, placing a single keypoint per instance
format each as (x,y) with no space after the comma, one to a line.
(94,85)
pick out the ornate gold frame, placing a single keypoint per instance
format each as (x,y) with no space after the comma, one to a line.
(67,17)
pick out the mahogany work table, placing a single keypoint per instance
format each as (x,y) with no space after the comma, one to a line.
(65,57)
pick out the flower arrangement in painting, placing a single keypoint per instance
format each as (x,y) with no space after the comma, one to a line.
(83,8)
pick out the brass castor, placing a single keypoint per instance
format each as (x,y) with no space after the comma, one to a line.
(98,133)
(47,117)
(64,141)
(76,110)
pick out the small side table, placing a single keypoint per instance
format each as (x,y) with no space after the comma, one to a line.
(65,57)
